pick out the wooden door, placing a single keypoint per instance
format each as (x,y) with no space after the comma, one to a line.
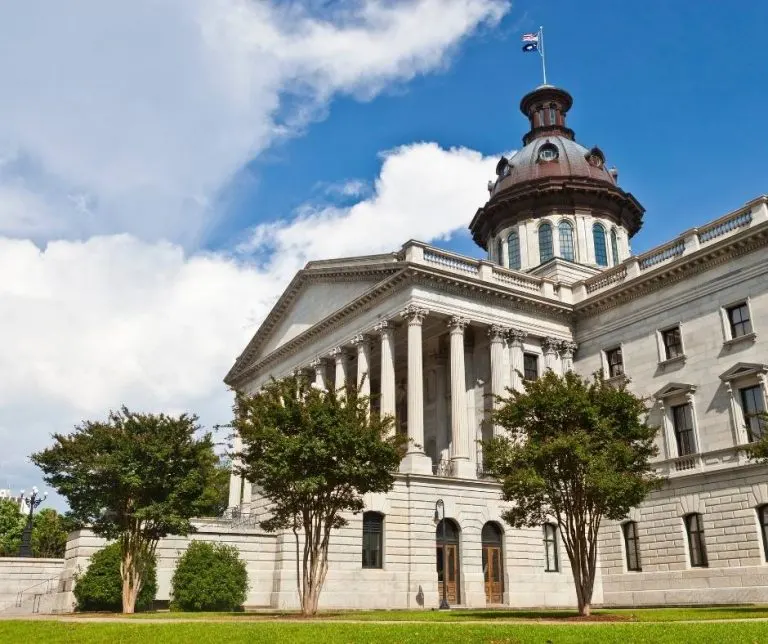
(448,572)
(492,570)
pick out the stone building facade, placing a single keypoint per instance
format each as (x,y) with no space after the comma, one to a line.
(433,335)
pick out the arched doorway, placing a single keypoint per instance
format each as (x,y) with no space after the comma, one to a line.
(447,537)
(493,563)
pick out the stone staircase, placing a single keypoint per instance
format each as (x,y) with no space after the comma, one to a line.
(38,598)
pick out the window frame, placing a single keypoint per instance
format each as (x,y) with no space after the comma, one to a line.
(378,537)
(746,324)
(543,242)
(665,347)
(599,229)
(609,353)
(696,534)
(517,264)
(690,432)
(755,415)
(569,242)
(615,246)
(552,115)
(635,548)
(762,522)
(535,357)
(550,539)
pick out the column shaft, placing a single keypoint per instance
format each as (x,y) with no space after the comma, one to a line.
(462,467)
(386,331)
(363,362)
(516,337)
(496,334)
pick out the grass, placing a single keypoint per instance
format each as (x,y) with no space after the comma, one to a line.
(60,632)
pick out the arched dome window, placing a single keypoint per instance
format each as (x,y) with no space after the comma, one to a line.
(601,252)
(546,251)
(513,249)
(565,231)
(500,251)
(614,247)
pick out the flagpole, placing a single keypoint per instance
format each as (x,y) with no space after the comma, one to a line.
(542,54)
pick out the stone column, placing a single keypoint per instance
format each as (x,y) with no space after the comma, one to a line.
(462,467)
(497,334)
(415,461)
(550,346)
(515,338)
(386,330)
(319,366)
(235,480)
(567,349)
(340,375)
(363,361)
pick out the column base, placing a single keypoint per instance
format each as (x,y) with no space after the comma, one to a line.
(464,469)
(416,463)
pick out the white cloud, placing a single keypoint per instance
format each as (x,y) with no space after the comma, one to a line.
(92,325)
(130,117)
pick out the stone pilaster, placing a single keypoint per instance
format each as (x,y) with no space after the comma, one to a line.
(340,374)
(415,461)
(235,480)
(387,332)
(363,346)
(515,338)
(550,347)
(567,349)
(497,334)
(462,467)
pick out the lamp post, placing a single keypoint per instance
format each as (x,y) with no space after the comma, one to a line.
(34,500)
(441,505)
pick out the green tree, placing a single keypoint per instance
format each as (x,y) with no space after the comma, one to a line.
(313,454)
(49,534)
(209,576)
(135,478)
(576,452)
(215,501)
(11,526)
(100,587)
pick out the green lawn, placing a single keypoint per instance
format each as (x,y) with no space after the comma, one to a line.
(53,632)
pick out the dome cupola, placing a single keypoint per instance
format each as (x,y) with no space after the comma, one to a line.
(555,198)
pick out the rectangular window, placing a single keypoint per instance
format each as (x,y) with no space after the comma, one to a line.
(673,343)
(632,546)
(552,116)
(738,319)
(694,526)
(682,419)
(615,363)
(753,406)
(530,366)
(550,547)
(372,539)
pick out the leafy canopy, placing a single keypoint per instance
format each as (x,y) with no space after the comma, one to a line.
(49,534)
(211,577)
(135,472)
(313,452)
(11,526)
(575,447)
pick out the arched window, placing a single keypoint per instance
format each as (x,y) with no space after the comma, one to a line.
(373,542)
(632,546)
(550,547)
(552,115)
(601,252)
(493,563)
(614,247)
(566,240)
(545,242)
(513,249)
(762,517)
(491,534)
(500,251)
(694,527)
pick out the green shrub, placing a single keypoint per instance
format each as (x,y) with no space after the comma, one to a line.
(210,577)
(101,587)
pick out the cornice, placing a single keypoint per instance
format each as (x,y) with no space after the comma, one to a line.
(686,266)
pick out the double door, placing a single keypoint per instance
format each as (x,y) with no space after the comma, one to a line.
(448,572)
(492,572)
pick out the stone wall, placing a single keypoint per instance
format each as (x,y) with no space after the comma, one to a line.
(26,574)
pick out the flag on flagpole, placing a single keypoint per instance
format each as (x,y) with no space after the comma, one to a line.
(531,38)
(531,46)
(531,42)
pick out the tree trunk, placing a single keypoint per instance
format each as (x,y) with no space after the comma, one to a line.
(315,562)
(131,582)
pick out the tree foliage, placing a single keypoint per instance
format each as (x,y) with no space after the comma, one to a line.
(100,587)
(313,454)
(577,451)
(215,501)
(210,577)
(134,478)
(11,526)
(759,449)
(49,534)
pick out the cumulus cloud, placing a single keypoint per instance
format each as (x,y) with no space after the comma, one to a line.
(111,320)
(130,117)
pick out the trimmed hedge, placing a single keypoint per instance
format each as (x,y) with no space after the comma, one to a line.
(209,577)
(101,588)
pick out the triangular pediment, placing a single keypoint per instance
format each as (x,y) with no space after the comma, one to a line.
(674,389)
(741,369)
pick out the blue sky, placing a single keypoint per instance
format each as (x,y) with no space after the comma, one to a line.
(166,166)
(672,92)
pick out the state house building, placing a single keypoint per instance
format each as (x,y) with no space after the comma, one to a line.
(431,334)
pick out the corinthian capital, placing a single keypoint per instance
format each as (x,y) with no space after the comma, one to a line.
(414,314)
(567,348)
(516,336)
(361,340)
(497,332)
(385,326)
(457,324)
(550,345)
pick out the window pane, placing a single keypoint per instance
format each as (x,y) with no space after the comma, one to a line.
(372,539)
(695,529)
(601,253)
(753,407)
(673,344)
(513,247)
(500,252)
(566,240)
(614,247)
(530,366)
(615,363)
(682,419)
(545,243)
(740,322)
(762,514)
